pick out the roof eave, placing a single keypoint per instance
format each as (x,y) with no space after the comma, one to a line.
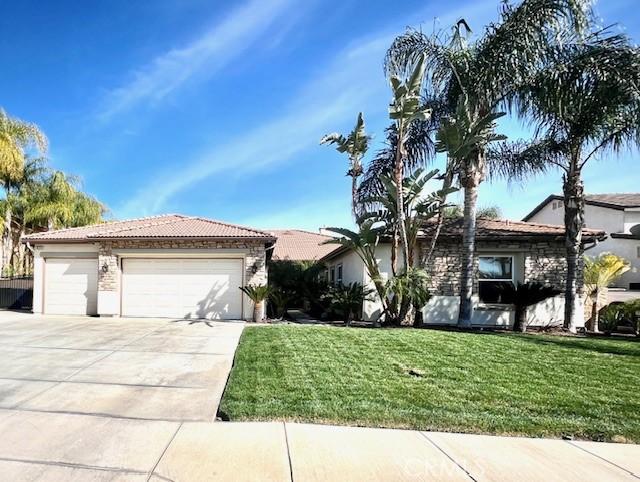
(147,238)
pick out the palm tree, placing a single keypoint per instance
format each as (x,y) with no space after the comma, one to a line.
(405,108)
(599,273)
(355,145)
(258,294)
(364,243)
(52,202)
(585,102)
(16,137)
(476,80)
(418,210)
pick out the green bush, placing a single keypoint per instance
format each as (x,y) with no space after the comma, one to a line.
(621,314)
(346,300)
(302,282)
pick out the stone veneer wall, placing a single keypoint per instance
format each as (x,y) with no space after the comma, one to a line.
(543,261)
(255,249)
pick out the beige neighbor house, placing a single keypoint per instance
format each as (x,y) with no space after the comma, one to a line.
(164,266)
(617,214)
(507,252)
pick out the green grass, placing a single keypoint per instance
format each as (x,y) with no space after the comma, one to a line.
(485,383)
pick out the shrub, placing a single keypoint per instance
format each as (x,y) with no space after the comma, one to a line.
(257,294)
(347,300)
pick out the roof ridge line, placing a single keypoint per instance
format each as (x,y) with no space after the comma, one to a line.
(147,225)
(303,231)
(104,223)
(224,223)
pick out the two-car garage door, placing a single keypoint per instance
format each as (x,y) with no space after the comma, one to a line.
(182,288)
(151,287)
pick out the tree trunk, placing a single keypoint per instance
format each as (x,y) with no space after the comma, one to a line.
(573,189)
(51,225)
(22,251)
(446,184)
(257,311)
(7,242)
(354,197)
(468,253)
(399,178)
(595,315)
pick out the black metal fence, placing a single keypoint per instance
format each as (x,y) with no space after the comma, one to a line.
(16,293)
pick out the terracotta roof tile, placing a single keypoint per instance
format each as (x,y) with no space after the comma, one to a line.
(164,226)
(298,245)
(505,228)
(618,201)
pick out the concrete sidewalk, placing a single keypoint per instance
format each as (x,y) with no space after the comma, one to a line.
(87,447)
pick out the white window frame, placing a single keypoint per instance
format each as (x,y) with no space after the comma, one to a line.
(512,280)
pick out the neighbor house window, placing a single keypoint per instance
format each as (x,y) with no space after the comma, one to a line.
(332,275)
(339,274)
(495,279)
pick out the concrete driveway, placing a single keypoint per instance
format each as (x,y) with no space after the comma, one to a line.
(123,368)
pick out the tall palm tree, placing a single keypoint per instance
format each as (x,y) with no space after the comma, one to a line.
(477,78)
(405,109)
(586,103)
(355,145)
(16,138)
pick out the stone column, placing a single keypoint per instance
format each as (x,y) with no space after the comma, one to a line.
(108,281)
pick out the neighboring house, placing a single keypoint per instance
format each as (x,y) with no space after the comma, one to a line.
(299,245)
(163,266)
(617,214)
(507,252)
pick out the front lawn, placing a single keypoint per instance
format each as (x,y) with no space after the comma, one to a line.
(436,380)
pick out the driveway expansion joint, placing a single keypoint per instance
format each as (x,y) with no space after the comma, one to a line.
(603,459)
(448,456)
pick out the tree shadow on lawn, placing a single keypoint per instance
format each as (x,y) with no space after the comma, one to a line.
(626,347)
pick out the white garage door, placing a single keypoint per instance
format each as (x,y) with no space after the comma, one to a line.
(182,288)
(70,286)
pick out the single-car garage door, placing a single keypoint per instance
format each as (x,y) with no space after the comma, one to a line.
(71,286)
(182,288)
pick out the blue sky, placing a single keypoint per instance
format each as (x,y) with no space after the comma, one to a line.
(216,108)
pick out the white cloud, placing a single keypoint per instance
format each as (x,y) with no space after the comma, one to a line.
(208,53)
(343,88)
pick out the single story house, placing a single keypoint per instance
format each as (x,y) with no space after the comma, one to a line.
(162,266)
(300,245)
(507,252)
(618,214)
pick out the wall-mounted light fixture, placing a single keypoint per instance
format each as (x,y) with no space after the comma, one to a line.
(254,268)
(105,267)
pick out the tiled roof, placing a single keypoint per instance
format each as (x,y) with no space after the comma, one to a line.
(165,226)
(625,200)
(619,201)
(298,245)
(504,228)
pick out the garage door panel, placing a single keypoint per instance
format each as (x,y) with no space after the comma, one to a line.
(182,288)
(71,286)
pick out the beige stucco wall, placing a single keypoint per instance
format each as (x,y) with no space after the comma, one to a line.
(611,221)
(110,253)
